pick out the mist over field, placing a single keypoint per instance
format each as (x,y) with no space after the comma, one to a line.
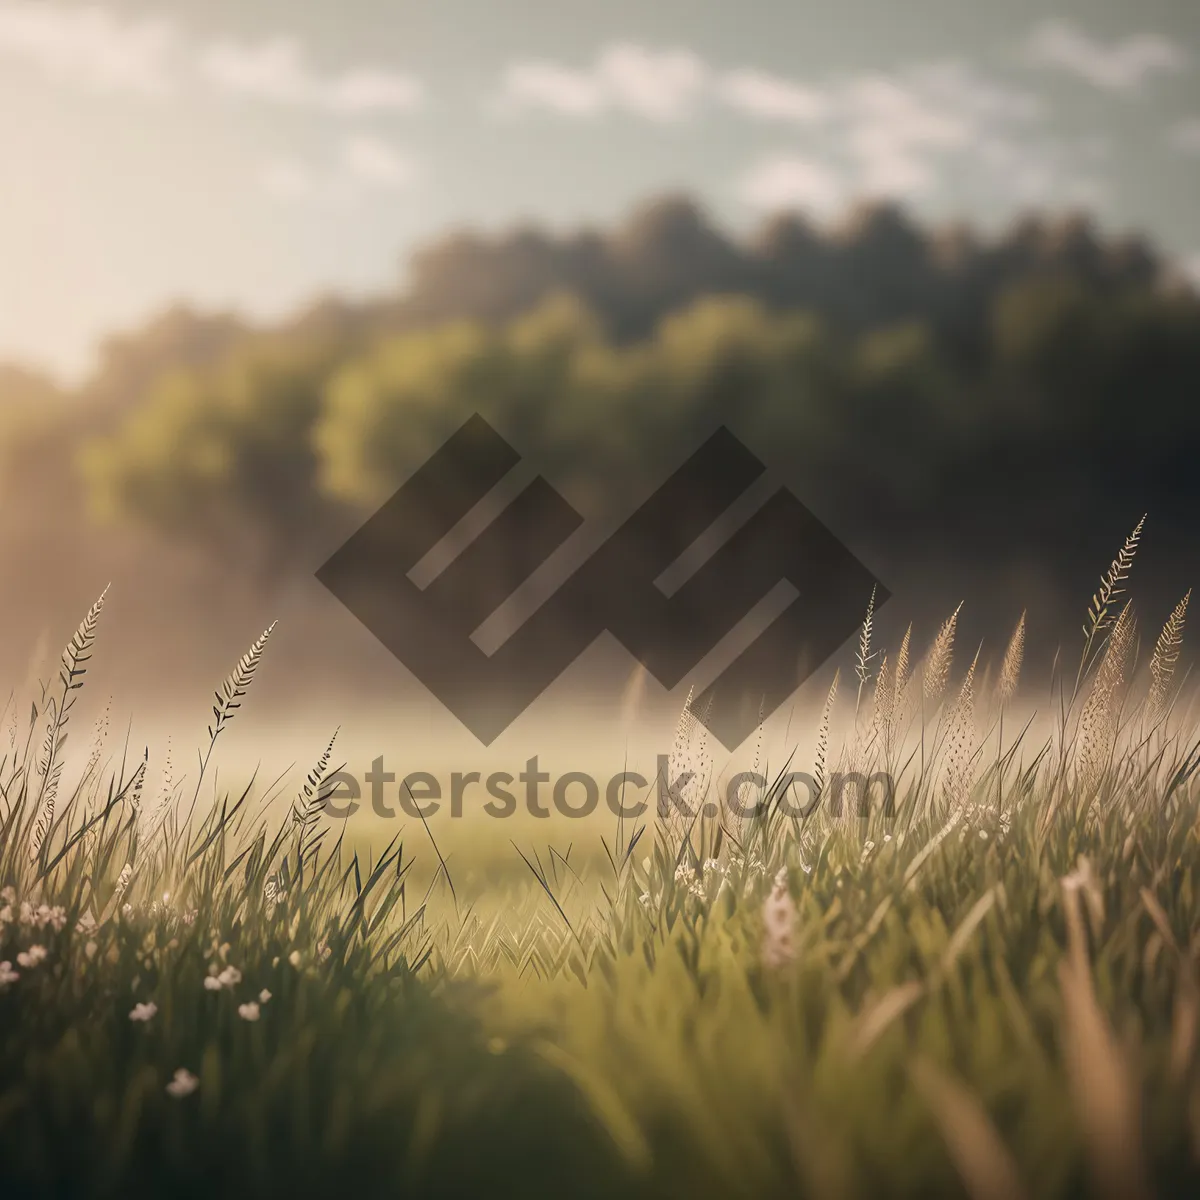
(978,419)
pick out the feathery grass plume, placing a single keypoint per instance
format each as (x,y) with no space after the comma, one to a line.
(72,668)
(936,670)
(862,659)
(229,700)
(45,820)
(1099,721)
(961,737)
(881,701)
(1165,659)
(310,803)
(156,818)
(823,736)
(1100,617)
(1010,669)
(900,686)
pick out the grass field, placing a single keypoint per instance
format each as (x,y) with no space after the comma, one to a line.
(989,991)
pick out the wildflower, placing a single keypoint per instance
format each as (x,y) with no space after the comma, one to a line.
(264,996)
(8,894)
(212,983)
(294,958)
(682,873)
(86,923)
(983,835)
(143,1012)
(7,974)
(184,1083)
(323,950)
(26,913)
(229,976)
(127,910)
(248,1012)
(90,949)
(712,864)
(32,956)
(779,919)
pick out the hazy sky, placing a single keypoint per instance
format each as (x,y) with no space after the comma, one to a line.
(254,153)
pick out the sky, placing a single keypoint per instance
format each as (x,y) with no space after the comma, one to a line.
(255,154)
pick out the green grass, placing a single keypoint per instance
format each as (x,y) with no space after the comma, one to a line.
(991,991)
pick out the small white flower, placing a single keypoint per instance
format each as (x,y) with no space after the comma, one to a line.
(26,913)
(229,977)
(887,837)
(143,1012)
(323,950)
(264,996)
(32,956)
(184,1083)
(127,910)
(7,974)
(779,919)
(212,983)
(8,894)
(294,958)
(983,835)
(248,1012)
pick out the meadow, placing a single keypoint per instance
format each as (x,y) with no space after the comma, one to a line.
(988,989)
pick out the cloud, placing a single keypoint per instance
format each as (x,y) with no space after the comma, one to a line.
(371,162)
(1119,67)
(792,181)
(759,94)
(277,71)
(97,48)
(663,86)
(91,47)
(1186,136)
(363,165)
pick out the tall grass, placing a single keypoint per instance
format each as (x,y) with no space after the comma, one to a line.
(987,986)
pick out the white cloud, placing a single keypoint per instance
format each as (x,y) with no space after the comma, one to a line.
(792,181)
(97,48)
(1117,67)
(90,47)
(363,165)
(759,94)
(663,86)
(277,71)
(371,162)
(1186,136)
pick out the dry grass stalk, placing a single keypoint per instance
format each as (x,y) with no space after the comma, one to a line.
(961,739)
(1165,658)
(1102,1086)
(936,671)
(1010,669)
(1100,720)
(980,1156)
